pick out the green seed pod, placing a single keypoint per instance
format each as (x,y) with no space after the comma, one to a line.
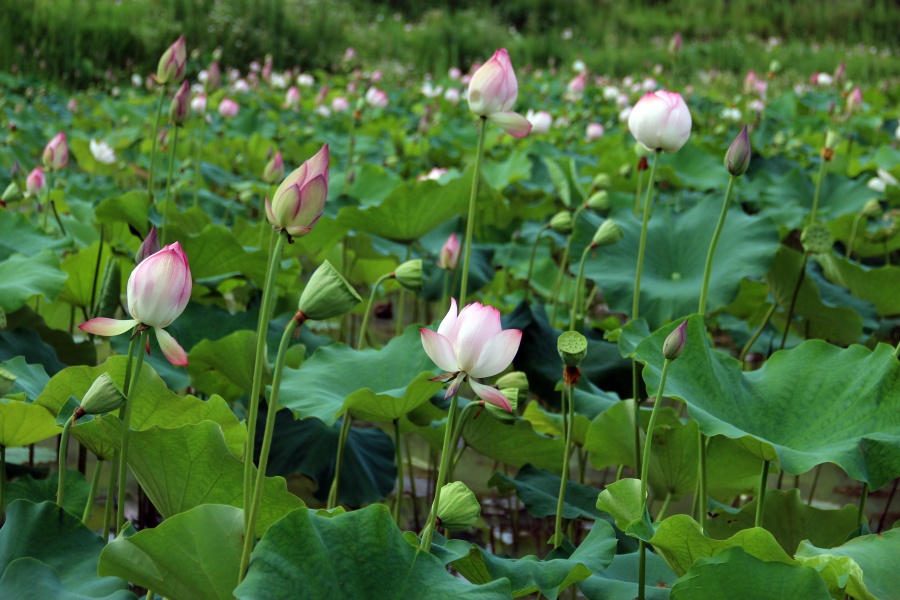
(501,414)
(102,397)
(327,294)
(816,239)
(572,348)
(409,275)
(514,379)
(459,508)
(608,233)
(602,181)
(599,200)
(562,222)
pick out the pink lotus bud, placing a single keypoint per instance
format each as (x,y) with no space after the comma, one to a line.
(594,131)
(449,256)
(292,97)
(676,43)
(267,68)
(56,152)
(376,77)
(750,81)
(854,100)
(274,170)
(454,73)
(340,104)
(228,108)
(300,199)
(674,344)
(213,77)
(148,247)
(840,73)
(376,98)
(493,90)
(173,63)
(102,152)
(541,121)
(320,95)
(35,182)
(72,105)
(198,104)
(737,159)
(349,54)
(661,121)
(179,109)
(577,85)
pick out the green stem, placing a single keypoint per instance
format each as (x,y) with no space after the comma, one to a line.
(427,536)
(165,229)
(62,228)
(534,247)
(126,430)
(793,304)
(63,454)
(470,221)
(2,480)
(861,513)
(703,508)
(92,495)
(852,240)
(361,342)
(815,207)
(560,502)
(712,246)
(276,245)
(346,422)
(557,283)
(648,441)
(398,455)
(401,302)
(815,484)
(159,107)
(637,193)
(198,176)
(110,494)
(92,307)
(662,511)
(761,495)
(47,186)
(250,531)
(445,290)
(635,306)
(642,569)
(457,435)
(578,300)
(757,333)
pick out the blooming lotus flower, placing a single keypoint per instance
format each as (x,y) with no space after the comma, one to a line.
(299,200)
(661,121)
(228,107)
(173,63)
(541,121)
(493,90)
(56,152)
(594,131)
(472,345)
(577,85)
(376,98)
(102,152)
(158,291)
(35,182)
(340,104)
(449,256)
(292,97)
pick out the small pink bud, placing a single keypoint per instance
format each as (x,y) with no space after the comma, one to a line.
(292,97)
(213,77)
(376,98)
(274,170)
(56,152)
(148,247)
(340,104)
(179,109)
(854,100)
(35,182)
(173,63)
(228,108)
(737,159)
(674,344)
(594,131)
(449,256)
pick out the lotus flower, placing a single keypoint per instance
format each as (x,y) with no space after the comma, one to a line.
(102,152)
(274,169)
(56,152)
(661,121)
(340,104)
(376,98)
(158,291)
(493,90)
(228,108)
(449,256)
(198,104)
(299,200)
(35,182)
(541,121)
(292,97)
(854,100)
(471,345)
(594,131)
(173,63)
(179,109)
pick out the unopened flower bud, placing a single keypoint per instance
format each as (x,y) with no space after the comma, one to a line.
(459,508)
(327,294)
(507,417)
(180,108)
(737,159)
(562,222)
(173,63)
(274,169)
(599,200)
(602,181)
(409,275)
(12,192)
(832,139)
(102,397)
(572,348)
(148,247)
(674,344)
(607,234)
(514,379)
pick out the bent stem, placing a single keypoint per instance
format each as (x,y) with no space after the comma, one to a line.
(712,246)
(470,219)
(63,453)
(169,187)
(250,531)
(761,495)
(427,536)
(92,495)
(570,412)
(849,254)
(346,422)
(815,484)
(126,425)
(276,246)
(361,341)
(159,106)
(534,247)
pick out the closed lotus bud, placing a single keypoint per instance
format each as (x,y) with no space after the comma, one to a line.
(228,107)
(173,63)
(661,121)
(449,256)
(514,379)
(507,417)
(56,152)
(572,348)
(102,397)
(35,182)
(159,288)
(409,275)
(300,199)
(459,508)
(737,159)
(148,247)
(562,222)
(607,234)
(854,100)
(180,108)
(213,77)
(274,170)
(599,200)
(493,91)
(12,193)
(601,181)
(674,344)
(327,294)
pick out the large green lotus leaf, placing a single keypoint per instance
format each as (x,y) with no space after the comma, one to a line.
(337,373)
(195,554)
(216,252)
(731,469)
(154,406)
(45,490)
(30,378)
(674,456)
(185,467)
(803,417)
(28,335)
(224,366)
(529,574)
(499,174)
(411,210)
(385,408)
(619,581)
(22,423)
(372,183)
(880,286)
(698,168)
(515,445)
(838,324)
(864,567)
(17,235)
(22,277)
(360,554)
(735,573)
(675,258)
(548,423)
(129,208)
(47,553)
(539,491)
(865,245)
(622,500)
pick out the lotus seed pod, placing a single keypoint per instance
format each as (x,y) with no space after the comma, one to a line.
(103,396)
(572,348)
(514,379)
(409,275)
(562,222)
(327,294)
(459,508)
(674,344)
(872,208)
(608,233)
(599,200)
(507,417)
(816,239)
(602,181)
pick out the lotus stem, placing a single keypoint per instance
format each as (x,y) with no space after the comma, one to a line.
(701,483)
(534,246)
(757,333)
(198,175)
(126,427)
(861,513)
(165,229)
(662,510)
(712,246)
(470,221)
(578,301)
(793,304)
(92,495)
(428,534)
(361,341)
(250,531)
(110,495)
(398,454)
(761,495)
(887,505)
(412,484)
(557,283)
(159,107)
(346,422)
(852,240)
(457,435)
(564,478)
(823,168)
(93,308)
(815,483)
(63,454)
